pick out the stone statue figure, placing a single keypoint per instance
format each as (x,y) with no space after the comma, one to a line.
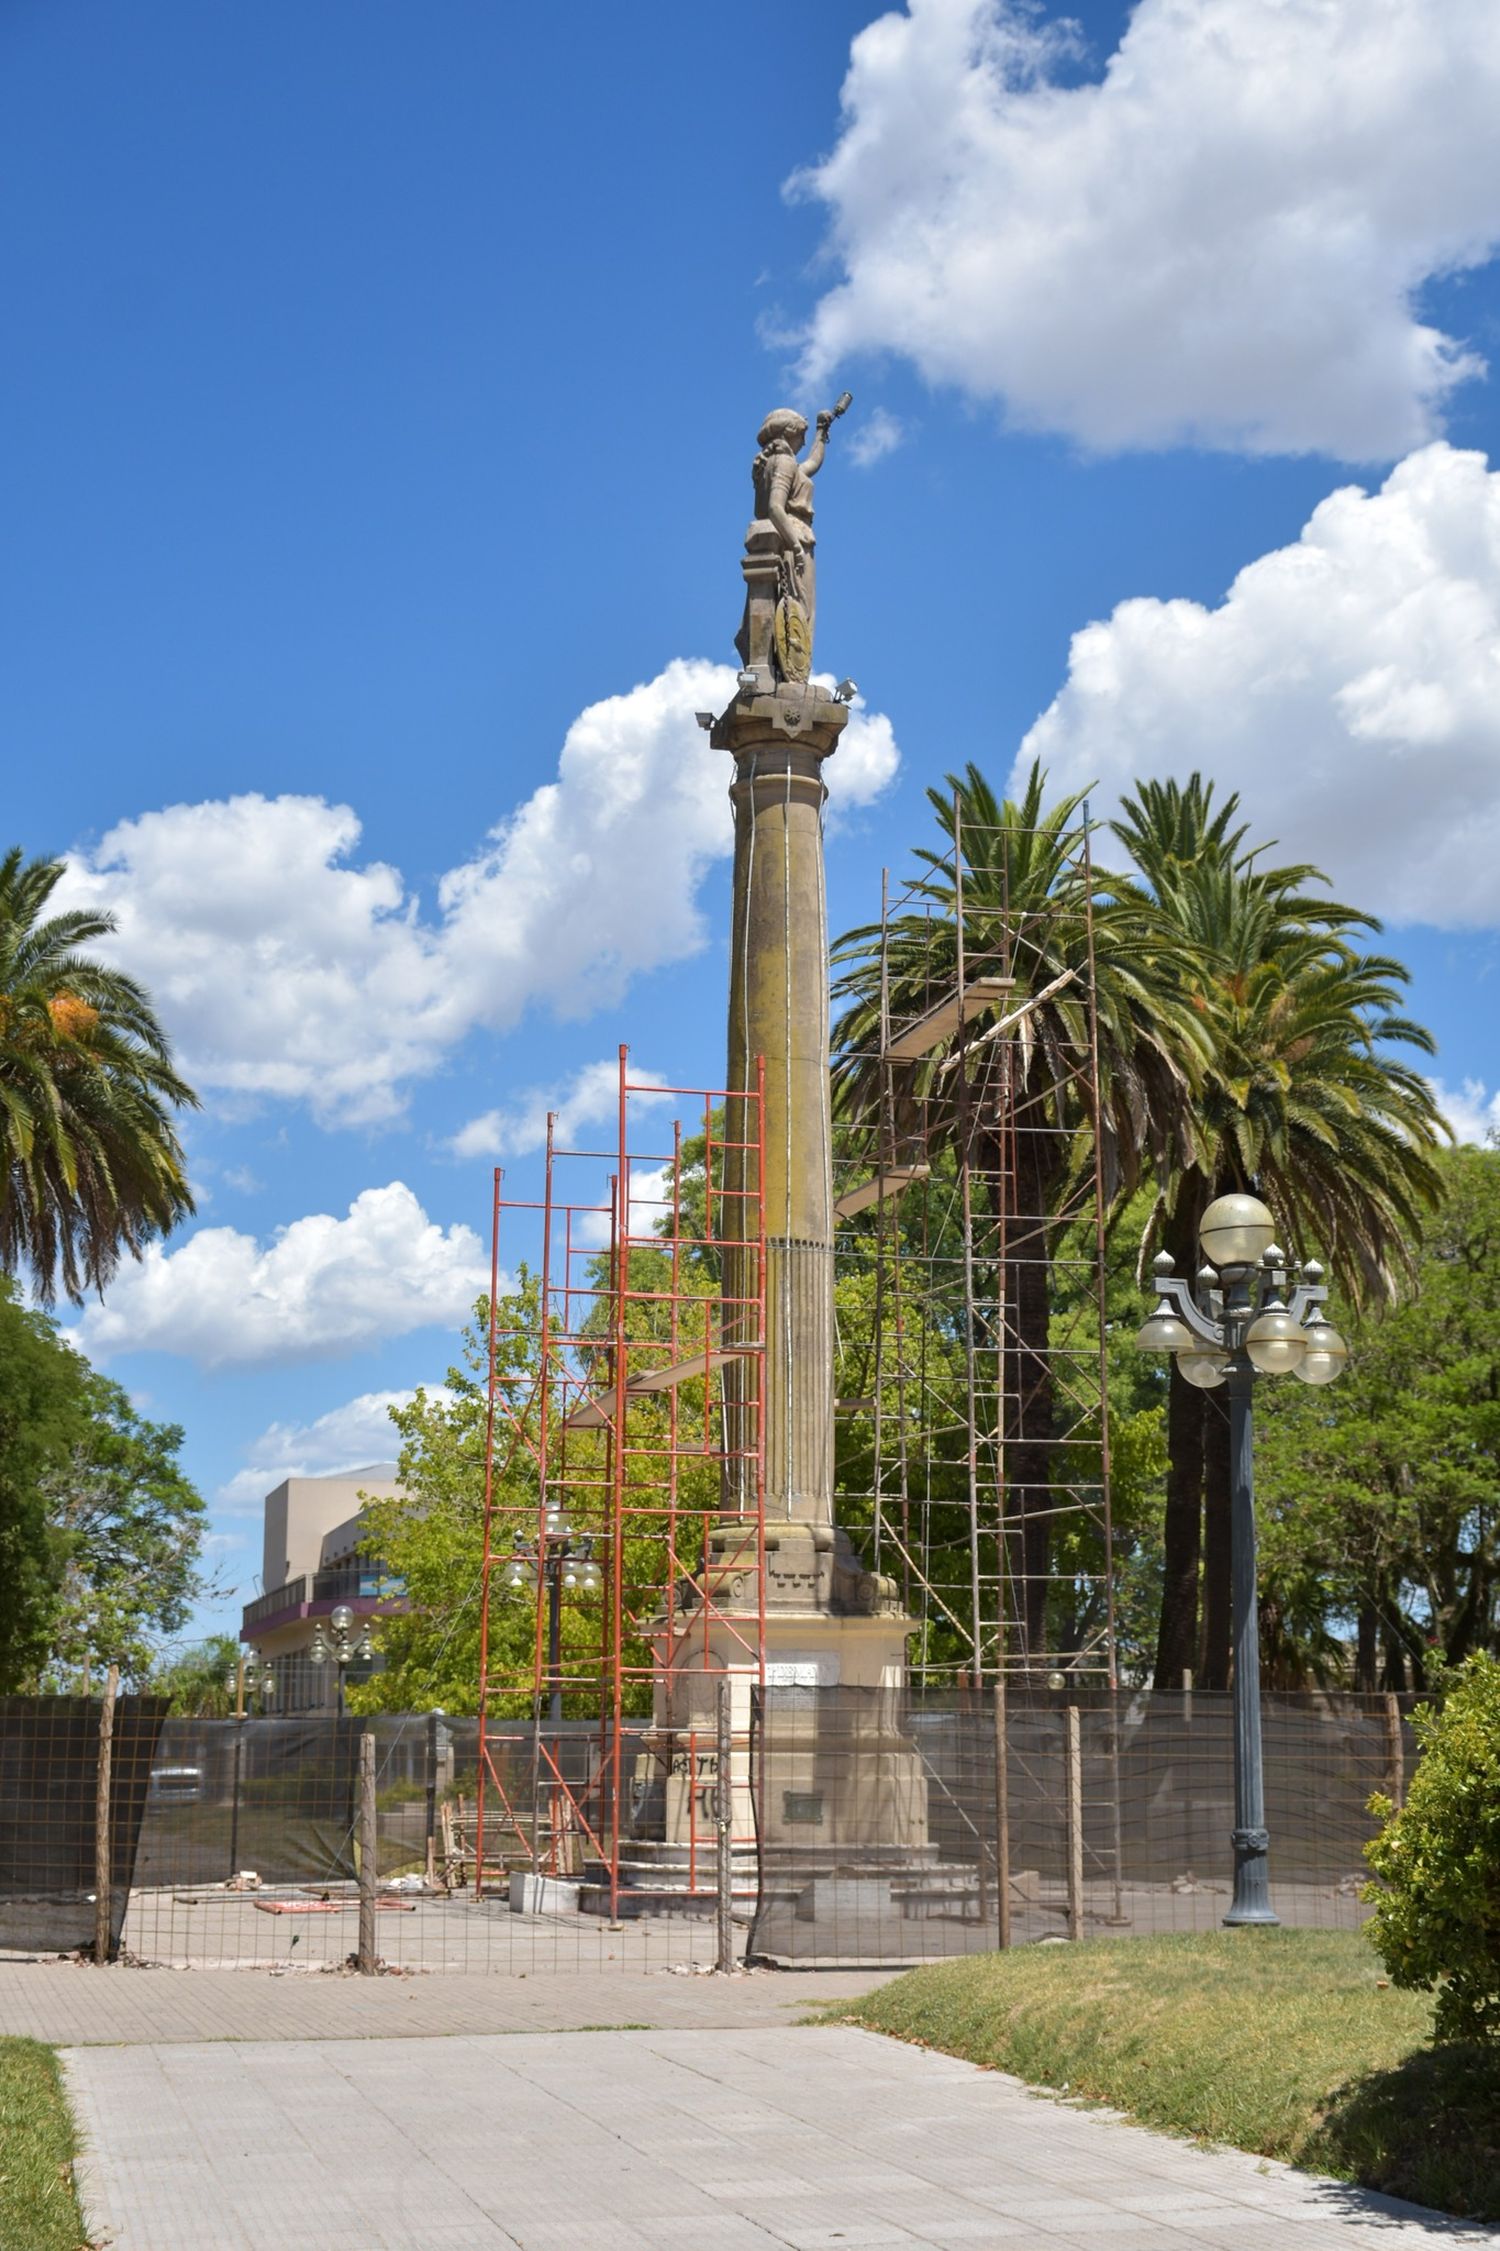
(776,635)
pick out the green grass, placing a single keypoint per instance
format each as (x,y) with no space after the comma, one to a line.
(1288,2043)
(38,2204)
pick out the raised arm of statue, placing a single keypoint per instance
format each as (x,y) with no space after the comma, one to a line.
(818,450)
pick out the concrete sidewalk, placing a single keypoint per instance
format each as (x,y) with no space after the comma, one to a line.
(72,2005)
(638,2141)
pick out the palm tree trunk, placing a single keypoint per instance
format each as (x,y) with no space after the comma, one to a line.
(1027,1404)
(1182,1530)
(1214,1666)
(1036,1184)
(1177,1628)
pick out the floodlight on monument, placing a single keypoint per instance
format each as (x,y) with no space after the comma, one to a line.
(705,719)
(846,691)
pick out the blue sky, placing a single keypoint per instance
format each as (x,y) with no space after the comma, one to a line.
(380,390)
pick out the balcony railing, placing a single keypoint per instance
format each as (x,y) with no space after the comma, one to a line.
(289,1597)
(357,1582)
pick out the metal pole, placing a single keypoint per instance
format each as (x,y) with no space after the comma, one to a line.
(552,1565)
(1251,1840)
(367,1854)
(103,1858)
(724,1825)
(432,1793)
(234,1809)
(554,1644)
(1075,1824)
(1002,1815)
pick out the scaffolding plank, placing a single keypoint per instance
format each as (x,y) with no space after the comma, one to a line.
(594,1413)
(941,1022)
(887,1183)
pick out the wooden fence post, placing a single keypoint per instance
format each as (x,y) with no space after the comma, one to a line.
(1395,1751)
(1075,1824)
(1002,1818)
(368,1841)
(103,1854)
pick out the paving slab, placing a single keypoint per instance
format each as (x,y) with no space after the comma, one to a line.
(71,2004)
(819,2138)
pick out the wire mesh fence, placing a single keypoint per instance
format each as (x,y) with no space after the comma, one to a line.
(859,1826)
(1049,1815)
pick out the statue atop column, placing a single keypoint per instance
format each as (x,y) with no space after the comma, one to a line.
(775,638)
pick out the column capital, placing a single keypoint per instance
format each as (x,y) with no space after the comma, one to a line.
(781,715)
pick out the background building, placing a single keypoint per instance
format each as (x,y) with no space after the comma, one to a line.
(311,1563)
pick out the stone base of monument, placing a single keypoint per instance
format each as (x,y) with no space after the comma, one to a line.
(661,1878)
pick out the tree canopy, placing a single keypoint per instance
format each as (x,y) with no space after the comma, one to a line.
(100,1531)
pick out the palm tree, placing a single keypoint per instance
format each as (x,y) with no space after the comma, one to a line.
(92,1162)
(1020,867)
(1304,1103)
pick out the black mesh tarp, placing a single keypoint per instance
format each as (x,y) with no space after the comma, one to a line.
(273,1795)
(878,1815)
(49,1771)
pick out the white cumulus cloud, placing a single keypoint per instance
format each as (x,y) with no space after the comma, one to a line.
(1222,240)
(284,968)
(1348,686)
(878,434)
(1471,1110)
(320,1287)
(589,1098)
(352,1436)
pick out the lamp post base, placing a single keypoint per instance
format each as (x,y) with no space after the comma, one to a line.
(1252,1880)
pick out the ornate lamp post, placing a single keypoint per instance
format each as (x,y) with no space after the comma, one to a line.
(346,1647)
(564,1565)
(1238,1323)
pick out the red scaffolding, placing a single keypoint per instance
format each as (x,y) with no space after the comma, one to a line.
(624,1491)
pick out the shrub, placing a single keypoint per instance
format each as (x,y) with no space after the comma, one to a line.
(1437,1899)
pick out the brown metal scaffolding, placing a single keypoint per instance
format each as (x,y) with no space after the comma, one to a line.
(624,1429)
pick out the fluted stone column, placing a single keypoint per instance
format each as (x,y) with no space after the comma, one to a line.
(778,1009)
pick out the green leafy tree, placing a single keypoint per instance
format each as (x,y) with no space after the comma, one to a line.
(1304,1102)
(43,1414)
(92,1164)
(128,1528)
(1437,1862)
(433,1540)
(200,1680)
(1382,1493)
